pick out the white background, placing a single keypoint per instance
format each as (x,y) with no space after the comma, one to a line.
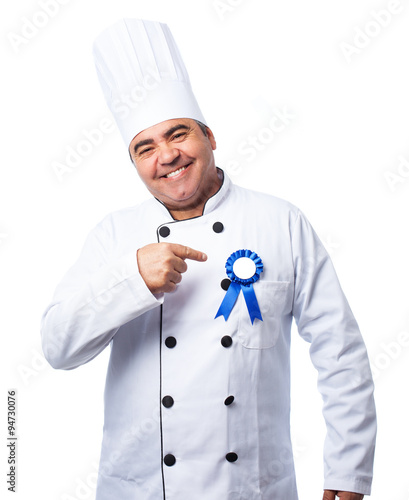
(341,159)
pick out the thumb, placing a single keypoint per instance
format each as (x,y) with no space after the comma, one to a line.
(188,253)
(329,495)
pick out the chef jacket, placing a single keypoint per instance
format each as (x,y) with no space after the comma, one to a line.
(197,407)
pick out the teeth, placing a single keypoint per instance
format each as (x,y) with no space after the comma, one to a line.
(172,174)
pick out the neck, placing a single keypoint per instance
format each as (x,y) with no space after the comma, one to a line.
(186,214)
(196,209)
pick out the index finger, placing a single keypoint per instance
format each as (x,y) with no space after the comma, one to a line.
(188,253)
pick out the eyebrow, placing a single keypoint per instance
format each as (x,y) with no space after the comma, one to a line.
(142,143)
(167,134)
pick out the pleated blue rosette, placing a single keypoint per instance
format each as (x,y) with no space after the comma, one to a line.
(245,285)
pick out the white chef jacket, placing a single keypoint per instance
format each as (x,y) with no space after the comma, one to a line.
(198,407)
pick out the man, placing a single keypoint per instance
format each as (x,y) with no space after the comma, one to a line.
(195,291)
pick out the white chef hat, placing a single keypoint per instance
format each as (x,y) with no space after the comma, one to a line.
(142,76)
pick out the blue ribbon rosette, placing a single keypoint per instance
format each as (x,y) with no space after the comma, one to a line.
(245,284)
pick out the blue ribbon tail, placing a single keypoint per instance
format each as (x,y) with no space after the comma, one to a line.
(251,301)
(229,300)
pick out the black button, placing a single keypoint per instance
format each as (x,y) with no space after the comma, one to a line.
(218,227)
(164,231)
(226,341)
(231,457)
(225,284)
(167,401)
(170,342)
(228,401)
(169,460)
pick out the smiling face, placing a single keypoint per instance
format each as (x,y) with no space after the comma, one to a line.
(175,161)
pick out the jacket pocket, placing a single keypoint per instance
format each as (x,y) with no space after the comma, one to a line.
(274,299)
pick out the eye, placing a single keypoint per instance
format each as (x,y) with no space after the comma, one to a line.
(179,135)
(144,151)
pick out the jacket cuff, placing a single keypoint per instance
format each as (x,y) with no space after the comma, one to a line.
(354,484)
(129,271)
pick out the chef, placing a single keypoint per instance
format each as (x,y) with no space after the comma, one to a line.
(194,292)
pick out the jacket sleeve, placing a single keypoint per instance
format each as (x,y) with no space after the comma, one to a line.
(338,352)
(96,296)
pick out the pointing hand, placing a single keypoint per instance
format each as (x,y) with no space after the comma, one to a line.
(342,495)
(161,264)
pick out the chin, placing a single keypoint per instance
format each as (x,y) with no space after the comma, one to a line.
(183,197)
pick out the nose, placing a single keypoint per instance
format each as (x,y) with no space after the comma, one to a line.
(167,154)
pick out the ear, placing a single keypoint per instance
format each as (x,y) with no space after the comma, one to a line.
(211,138)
